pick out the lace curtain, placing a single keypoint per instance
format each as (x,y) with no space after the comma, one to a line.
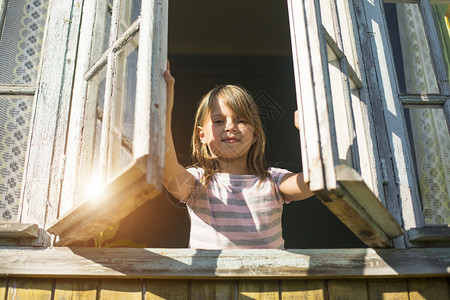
(20,48)
(430,136)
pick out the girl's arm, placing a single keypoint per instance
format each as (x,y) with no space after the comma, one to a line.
(292,186)
(176,179)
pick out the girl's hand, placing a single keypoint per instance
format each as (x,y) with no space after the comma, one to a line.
(296,119)
(170,83)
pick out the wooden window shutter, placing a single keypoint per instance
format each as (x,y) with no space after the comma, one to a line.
(141,180)
(328,87)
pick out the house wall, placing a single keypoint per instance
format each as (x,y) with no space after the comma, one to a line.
(299,288)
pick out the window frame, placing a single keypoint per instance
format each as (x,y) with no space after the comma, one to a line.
(339,186)
(418,233)
(141,180)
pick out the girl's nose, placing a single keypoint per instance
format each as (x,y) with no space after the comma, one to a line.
(230,126)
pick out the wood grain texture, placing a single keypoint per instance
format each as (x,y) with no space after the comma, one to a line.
(113,289)
(428,288)
(303,289)
(3,287)
(258,290)
(28,288)
(167,289)
(254,263)
(388,289)
(213,289)
(18,230)
(76,289)
(347,289)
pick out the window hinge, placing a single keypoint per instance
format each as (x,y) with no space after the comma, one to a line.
(62,167)
(384,171)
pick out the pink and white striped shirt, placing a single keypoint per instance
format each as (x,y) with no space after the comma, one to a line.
(236,211)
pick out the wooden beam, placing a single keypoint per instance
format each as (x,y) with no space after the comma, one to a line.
(117,199)
(354,203)
(18,230)
(10,89)
(430,234)
(251,263)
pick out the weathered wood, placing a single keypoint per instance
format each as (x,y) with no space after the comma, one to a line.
(27,288)
(388,289)
(254,263)
(6,89)
(426,288)
(168,289)
(422,100)
(3,287)
(119,198)
(303,289)
(18,230)
(258,289)
(40,187)
(309,131)
(213,289)
(390,133)
(429,234)
(149,129)
(85,289)
(347,289)
(114,289)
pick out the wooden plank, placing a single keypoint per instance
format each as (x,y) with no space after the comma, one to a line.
(258,289)
(18,230)
(112,289)
(167,289)
(303,289)
(30,288)
(421,100)
(428,288)
(40,187)
(85,289)
(429,234)
(388,289)
(9,89)
(3,287)
(213,289)
(251,263)
(118,199)
(390,133)
(349,289)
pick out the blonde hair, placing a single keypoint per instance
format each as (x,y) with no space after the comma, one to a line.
(241,103)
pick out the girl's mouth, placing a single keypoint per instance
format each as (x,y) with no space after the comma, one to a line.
(230,140)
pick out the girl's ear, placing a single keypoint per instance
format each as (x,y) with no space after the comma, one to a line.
(201,134)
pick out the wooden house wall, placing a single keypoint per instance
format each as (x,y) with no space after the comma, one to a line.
(73,288)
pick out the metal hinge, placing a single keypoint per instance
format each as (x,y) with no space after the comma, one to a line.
(62,167)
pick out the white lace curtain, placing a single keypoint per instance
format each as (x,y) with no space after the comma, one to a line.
(430,136)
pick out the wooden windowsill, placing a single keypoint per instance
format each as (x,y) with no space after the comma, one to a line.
(195,264)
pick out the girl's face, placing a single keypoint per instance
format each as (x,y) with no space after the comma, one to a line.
(226,136)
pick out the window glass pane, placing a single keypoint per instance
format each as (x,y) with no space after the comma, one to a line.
(412,58)
(102,27)
(130,11)
(430,143)
(15,114)
(21,41)
(122,119)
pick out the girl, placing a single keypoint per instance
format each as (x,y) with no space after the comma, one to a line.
(232,200)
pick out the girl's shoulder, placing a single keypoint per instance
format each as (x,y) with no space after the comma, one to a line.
(277,173)
(197,172)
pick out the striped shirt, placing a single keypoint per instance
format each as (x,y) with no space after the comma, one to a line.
(236,211)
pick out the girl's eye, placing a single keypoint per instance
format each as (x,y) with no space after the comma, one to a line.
(241,121)
(218,121)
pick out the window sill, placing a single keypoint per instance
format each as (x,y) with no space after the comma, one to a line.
(195,264)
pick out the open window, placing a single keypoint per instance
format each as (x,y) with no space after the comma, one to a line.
(337,153)
(119,98)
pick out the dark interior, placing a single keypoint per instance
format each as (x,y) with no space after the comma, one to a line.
(247,43)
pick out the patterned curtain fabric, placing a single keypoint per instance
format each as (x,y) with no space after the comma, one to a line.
(430,136)
(20,48)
